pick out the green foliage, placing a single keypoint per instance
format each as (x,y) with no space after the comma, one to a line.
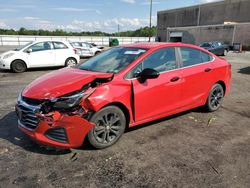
(142,32)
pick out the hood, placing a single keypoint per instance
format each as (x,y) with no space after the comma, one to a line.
(61,82)
(8,52)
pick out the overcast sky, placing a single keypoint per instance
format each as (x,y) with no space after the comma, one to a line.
(84,15)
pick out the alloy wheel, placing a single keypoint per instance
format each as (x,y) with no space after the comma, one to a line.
(107,128)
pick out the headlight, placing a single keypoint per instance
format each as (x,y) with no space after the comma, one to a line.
(71,101)
(8,55)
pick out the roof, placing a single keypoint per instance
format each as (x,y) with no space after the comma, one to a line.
(151,45)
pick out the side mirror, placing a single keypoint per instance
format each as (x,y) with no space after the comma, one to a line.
(148,74)
(29,50)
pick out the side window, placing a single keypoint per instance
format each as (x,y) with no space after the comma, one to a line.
(41,46)
(59,45)
(135,71)
(206,57)
(161,60)
(84,45)
(192,56)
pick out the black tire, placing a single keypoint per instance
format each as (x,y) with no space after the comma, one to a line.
(18,66)
(110,123)
(98,52)
(70,62)
(215,98)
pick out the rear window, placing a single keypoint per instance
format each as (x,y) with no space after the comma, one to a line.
(59,45)
(191,56)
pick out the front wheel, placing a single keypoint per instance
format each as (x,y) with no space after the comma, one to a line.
(70,62)
(18,66)
(215,98)
(110,123)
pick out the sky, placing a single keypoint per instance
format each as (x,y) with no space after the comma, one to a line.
(84,15)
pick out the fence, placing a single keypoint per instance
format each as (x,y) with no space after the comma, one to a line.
(18,40)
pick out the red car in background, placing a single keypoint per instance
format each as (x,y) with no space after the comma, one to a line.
(122,87)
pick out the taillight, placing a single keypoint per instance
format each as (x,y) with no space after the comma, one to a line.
(75,50)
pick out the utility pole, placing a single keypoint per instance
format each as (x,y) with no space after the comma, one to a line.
(150,21)
(118,29)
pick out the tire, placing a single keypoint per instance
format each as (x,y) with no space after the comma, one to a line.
(215,98)
(225,52)
(70,62)
(18,66)
(98,52)
(107,130)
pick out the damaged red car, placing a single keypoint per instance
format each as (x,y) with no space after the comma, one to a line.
(122,87)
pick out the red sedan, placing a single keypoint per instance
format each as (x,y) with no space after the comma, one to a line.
(122,87)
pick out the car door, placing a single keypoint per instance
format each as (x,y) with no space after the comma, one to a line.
(62,52)
(197,69)
(86,50)
(155,97)
(40,55)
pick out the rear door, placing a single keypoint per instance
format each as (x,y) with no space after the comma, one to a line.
(197,69)
(86,50)
(62,52)
(155,97)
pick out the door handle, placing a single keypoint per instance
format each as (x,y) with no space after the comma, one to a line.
(174,79)
(207,69)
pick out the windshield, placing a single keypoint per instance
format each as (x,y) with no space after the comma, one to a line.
(113,60)
(23,46)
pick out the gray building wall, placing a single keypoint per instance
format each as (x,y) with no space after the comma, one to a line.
(210,19)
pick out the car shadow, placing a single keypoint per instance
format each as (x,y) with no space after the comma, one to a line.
(10,132)
(33,69)
(245,70)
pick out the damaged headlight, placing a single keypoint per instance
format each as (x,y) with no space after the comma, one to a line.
(71,101)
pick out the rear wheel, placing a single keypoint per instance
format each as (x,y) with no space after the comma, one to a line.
(215,98)
(18,66)
(70,62)
(110,123)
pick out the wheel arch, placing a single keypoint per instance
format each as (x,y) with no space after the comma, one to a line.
(123,108)
(18,60)
(222,83)
(70,58)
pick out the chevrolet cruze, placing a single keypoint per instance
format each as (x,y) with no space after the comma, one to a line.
(122,87)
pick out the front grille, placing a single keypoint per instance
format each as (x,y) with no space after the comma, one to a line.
(57,134)
(27,117)
(30,101)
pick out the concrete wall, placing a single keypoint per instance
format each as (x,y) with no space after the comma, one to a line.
(238,33)
(206,22)
(206,14)
(17,40)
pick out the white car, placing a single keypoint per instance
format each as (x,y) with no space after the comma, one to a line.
(85,49)
(39,54)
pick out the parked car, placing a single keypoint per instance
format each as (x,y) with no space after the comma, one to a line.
(39,54)
(216,47)
(122,87)
(98,46)
(85,49)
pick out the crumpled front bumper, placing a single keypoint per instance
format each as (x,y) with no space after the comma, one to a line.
(61,131)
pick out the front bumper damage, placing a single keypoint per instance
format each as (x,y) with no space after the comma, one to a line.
(54,129)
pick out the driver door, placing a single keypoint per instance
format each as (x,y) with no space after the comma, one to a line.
(41,55)
(156,97)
